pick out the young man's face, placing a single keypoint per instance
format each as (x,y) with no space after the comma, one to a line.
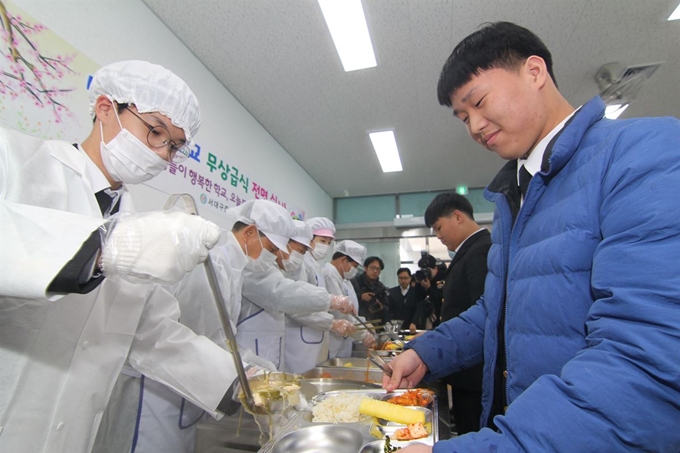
(501,110)
(373,270)
(448,230)
(138,125)
(404,279)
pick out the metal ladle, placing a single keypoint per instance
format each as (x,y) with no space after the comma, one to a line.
(190,208)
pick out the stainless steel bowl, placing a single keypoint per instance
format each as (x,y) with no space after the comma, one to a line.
(323,438)
(378,446)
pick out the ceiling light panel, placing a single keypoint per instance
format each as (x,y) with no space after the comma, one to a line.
(676,14)
(347,24)
(385,146)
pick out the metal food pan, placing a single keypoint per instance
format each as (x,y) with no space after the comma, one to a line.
(371,375)
(351,362)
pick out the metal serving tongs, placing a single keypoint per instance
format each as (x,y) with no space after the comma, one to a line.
(379,362)
(366,326)
(190,208)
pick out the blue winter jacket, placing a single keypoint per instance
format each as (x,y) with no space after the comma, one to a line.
(592,324)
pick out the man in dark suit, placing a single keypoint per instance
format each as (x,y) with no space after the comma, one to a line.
(397,295)
(451,217)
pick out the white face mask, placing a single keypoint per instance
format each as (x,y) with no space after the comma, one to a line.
(263,262)
(127,159)
(320,250)
(293,262)
(351,273)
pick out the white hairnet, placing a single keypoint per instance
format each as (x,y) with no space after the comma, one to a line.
(321,226)
(151,88)
(303,233)
(350,248)
(269,218)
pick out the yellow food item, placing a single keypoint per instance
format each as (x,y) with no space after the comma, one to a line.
(391,347)
(348,365)
(391,412)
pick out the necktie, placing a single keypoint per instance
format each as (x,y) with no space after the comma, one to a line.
(104,200)
(524,179)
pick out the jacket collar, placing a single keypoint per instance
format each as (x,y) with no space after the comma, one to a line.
(467,244)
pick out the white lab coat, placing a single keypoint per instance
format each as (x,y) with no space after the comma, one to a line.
(340,346)
(60,356)
(267,297)
(166,421)
(306,333)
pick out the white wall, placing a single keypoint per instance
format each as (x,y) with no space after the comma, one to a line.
(111,30)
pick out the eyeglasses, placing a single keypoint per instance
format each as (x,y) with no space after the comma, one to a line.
(374,268)
(159,137)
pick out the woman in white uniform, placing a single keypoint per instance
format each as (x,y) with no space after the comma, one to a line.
(307,334)
(268,296)
(337,273)
(66,327)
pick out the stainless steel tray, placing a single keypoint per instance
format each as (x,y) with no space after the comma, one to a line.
(370,430)
(351,362)
(372,375)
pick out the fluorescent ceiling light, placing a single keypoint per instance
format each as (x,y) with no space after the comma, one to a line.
(386,148)
(614,111)
(347,24)
(676,14)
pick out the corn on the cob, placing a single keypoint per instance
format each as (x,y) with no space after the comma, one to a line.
(391,412)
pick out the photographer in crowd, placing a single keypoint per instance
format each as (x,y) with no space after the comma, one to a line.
(423,306)
(372,293)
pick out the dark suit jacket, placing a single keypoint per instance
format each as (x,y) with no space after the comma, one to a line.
(397,303)
(464,286)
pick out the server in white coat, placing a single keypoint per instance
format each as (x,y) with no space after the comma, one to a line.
(157,418)
(68,308)
(337,273)
(307,334)
(268,296)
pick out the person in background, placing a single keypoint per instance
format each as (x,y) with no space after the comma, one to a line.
(307,334)
(398,295)
(371,292)
(337,274)
(80,272)
(451,217)
(268,296)
(581,308)
(423,306)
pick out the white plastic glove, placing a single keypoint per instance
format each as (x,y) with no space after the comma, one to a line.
(155,247)
(368,340)
(342,304)
(255,364)
(343,327)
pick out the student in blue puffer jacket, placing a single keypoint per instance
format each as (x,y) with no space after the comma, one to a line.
(579,325)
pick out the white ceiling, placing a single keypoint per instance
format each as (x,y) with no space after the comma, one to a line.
(277,58)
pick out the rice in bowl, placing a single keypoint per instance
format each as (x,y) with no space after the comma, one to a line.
(338,409)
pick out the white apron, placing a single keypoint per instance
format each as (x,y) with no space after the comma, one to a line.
(262,332)
(303,344)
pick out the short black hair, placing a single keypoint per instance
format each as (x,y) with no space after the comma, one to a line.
(370,259)
(444,204)
(496,45)
(338,255)
(404,269)
(428,261)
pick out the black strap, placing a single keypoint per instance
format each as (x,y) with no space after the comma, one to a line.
(524,180)
(68,279)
